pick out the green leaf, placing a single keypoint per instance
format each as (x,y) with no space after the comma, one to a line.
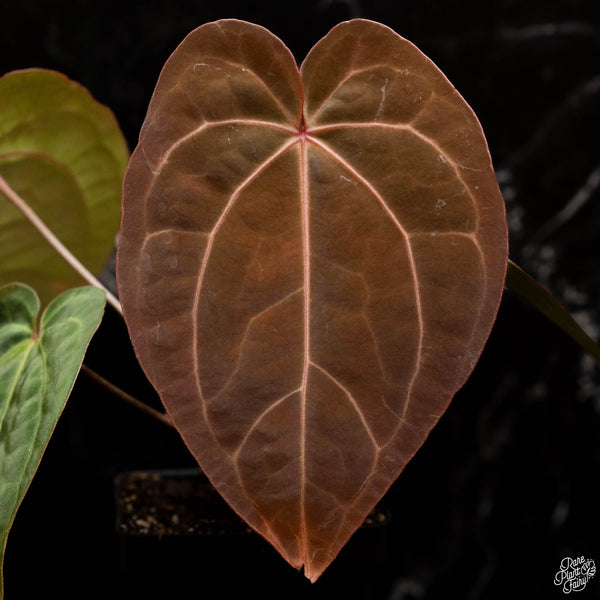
(38,367)
(64,154)
(530,291)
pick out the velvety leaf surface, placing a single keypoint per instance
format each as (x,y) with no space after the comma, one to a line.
(38,366)
(64,154)
(310,263)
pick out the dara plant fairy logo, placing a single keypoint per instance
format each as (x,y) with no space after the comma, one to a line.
(574,573)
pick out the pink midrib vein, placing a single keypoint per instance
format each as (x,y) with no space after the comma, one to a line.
(304,202)
(300,138)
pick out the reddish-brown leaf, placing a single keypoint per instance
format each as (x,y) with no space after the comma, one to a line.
(310,263)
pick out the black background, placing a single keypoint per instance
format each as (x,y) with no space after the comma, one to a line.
(505,486)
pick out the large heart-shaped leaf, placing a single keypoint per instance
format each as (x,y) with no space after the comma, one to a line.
(62,153)
(38,366)
(310,263)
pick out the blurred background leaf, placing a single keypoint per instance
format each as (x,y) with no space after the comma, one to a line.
(64,154)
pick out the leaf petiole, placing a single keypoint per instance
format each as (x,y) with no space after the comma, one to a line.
(113,389)
(49,236)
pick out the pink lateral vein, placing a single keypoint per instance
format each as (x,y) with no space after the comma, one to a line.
(352,400)
(258,420)
(206,257)
(413,268)
(456,166)
(367,69)
(249,326)
(206,125)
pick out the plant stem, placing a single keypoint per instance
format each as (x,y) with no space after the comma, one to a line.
(56,243)
(111,387)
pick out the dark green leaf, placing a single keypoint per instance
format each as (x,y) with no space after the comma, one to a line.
(38,366)
(529,290)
